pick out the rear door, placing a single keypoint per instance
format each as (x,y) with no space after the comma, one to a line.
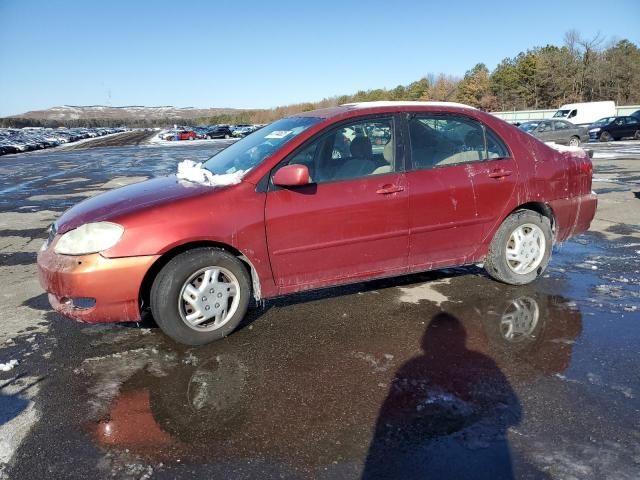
(632,126)
(562,131)
(352,222)
(443,218)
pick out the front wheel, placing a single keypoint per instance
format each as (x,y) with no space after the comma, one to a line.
(227,136)
(574,141)
(606,137)
(200,296)
(520,249)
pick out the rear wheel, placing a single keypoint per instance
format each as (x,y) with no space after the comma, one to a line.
(637,135)
(200,296)
(574,141)
(226,135)
(520,249)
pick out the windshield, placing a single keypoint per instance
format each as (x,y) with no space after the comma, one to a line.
(561,113)
(528,126)
(604,121)
(253,149)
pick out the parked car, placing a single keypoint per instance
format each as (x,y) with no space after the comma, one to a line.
(17,140)
(188,135)
(220,132)
(614,128)
(558,131)
(585,113)
(282,216)
(243,131)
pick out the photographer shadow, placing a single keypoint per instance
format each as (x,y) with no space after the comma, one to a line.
(446,413)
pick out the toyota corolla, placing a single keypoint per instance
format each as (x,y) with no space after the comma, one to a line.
(316,200)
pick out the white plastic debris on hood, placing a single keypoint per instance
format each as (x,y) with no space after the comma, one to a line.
(196,173)
(563,148)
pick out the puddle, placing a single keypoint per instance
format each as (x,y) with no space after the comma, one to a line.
(310,403)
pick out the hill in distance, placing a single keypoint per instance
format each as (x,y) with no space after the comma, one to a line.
(65,113)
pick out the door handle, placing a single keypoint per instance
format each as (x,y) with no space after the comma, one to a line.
(500,173)
(389,188)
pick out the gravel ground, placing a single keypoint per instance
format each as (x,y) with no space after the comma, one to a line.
(447,374)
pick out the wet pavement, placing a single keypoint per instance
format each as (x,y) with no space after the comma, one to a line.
(446,374)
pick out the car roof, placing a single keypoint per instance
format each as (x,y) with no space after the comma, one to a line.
(383,104)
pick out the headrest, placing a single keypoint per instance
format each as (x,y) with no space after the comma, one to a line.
(387,153)
(361,147)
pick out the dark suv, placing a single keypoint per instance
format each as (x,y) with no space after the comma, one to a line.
(219,132)
(614,128)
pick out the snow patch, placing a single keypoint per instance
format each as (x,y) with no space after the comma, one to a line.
(5,367)
(424,292)
(564,148)
(196,173)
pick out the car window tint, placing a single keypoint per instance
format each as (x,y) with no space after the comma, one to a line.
(631,120)
(440,140)
(560,125)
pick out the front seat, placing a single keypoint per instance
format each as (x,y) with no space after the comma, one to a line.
(387,154)
(361,162)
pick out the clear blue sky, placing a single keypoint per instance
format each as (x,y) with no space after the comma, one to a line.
(247,54)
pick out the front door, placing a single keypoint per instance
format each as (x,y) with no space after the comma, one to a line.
(351,222)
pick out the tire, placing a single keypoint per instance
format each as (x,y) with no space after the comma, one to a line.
(526,262)
(192,138)
(184,277)
(606,137)
(637,135)
(226,135)
(208,137)
(574,141)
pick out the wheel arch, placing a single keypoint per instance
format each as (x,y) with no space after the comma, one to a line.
(542,208)
(149,277)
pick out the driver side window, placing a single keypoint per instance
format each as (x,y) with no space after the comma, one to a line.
(354,150)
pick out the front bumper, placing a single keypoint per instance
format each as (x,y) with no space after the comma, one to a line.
(594,135)
(111,286)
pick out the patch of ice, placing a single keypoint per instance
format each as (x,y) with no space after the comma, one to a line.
(5,367)
(196,173)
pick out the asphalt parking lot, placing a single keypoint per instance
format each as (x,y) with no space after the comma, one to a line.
(547,375)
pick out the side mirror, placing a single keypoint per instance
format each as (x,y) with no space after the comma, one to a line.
(294,175)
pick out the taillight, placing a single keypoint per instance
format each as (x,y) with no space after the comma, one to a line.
(586,167)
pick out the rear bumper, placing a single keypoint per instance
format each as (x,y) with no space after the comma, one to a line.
(107,289)
(574,215)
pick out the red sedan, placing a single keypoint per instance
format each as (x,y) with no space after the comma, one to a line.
(288,209)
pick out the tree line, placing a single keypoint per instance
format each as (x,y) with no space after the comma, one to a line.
(580,70)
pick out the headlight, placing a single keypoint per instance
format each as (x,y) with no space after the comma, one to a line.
(89,238)
(597,129)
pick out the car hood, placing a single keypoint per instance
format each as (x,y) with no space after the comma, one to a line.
(129,199)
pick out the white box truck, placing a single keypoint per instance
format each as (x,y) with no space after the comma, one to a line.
(586,113)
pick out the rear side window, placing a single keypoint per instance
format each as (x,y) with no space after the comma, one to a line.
(441,140)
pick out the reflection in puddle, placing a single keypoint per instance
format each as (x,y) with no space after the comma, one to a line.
(310,402)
